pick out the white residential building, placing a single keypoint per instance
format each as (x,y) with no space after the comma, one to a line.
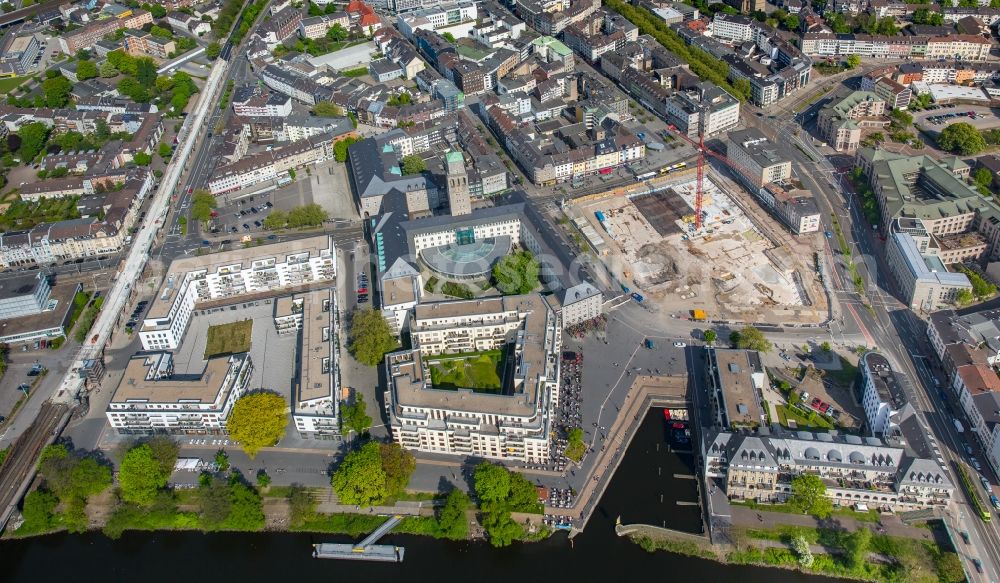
(580,303)
(228,276)
(513,423)
(883,397)
(151,400)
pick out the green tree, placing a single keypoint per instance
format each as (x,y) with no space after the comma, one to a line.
(142,159)
(257,421)
(202,203)
(853,61)
(213,503)
(982,177)
(157,11)
(133,90)
(327,109)
(926,16)
(360,479)
(85,70)
(491,482)
(340,148)
(145,71)
(750,338)
(56,91)
(33,137)
(961,138)
(354,416)
(122,61)
(309,215)
(413,164)
(213,50)
(336,33)
(107,69)
(301,505)
(825,347)
(963,297)
(451,522)
(856,547)
(949,567)
(791,23)
(449,37)
(89,477)
(276,220)
(263,479)
(398,465)
(517,273)
(140,476)
(221,460)
(801,547)
(710,336)
(369,337)
(38,510)
(165,451)
(165,151)
(246,508)
(743,89)
(809,495)
(499,526)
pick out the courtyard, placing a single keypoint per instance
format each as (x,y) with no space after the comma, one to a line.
(231,338)
(480,371)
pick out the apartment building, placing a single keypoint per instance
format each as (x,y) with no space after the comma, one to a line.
(151,399)
(252,101)
(18,50)
(757,157)
(316,27)
(580,303)
(840,124)
(225,277)
(732,27)
(705,109)
(138,43)
(883,396)
(867,471)
(925,284)
(89,34)
(736,381)
(513,423)
(963,47)
(271,165)
(279,26)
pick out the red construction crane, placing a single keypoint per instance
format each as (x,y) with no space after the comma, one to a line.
(699,197)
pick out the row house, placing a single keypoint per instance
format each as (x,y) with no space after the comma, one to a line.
(89,34)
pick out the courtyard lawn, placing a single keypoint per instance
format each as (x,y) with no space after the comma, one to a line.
(8,84)
(231,338)
(478,371)
(803,420)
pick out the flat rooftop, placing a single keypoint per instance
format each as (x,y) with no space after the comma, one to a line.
(140,384)
(235,259)
(534,342)
(61,296)
(21,285)
(735,369)
(316,377)
(398,290)
(889,389)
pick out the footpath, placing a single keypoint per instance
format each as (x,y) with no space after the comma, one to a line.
(759,518)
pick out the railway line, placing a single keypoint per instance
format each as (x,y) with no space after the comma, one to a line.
(19,465)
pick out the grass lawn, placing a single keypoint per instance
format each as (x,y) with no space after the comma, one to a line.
(9,84)
(802,419)
(24,215)
(231,338)
(478,371)
(844,377)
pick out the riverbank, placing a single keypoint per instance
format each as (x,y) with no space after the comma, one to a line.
(835,552)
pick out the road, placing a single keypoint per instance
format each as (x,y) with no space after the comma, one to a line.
(877,316)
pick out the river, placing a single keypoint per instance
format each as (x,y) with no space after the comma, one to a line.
(645,474)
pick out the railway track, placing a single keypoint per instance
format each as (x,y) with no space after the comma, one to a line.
(24,452)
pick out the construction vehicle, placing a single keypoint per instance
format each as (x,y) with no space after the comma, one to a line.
(698,315)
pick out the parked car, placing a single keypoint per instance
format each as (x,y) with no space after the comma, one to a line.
(679,345)
(965,537)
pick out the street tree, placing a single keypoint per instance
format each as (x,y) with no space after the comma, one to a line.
(961,138)
(165,450)
(809,495)
(516,273)
(491,482)
(213,50)
(398,465)
(710,336)
(360,479)
(263,479)
(202,204)
(354,416)
(257,421)
(853,61)
(369,337)
(140,476)
(750,338)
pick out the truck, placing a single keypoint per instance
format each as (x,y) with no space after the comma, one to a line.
(958,425)
(698,315)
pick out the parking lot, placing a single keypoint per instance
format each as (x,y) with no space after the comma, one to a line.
(938,117)
(245,215)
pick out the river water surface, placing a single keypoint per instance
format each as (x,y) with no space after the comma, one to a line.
(597,554)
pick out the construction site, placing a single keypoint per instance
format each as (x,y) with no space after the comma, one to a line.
(733,266)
